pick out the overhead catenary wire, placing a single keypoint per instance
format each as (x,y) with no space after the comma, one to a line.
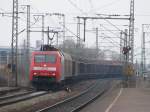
(67,29)
(106,5)
(47,14)
(78,9)
(114,26)
(6,14)
(74,5)
(112,41)
(111,32)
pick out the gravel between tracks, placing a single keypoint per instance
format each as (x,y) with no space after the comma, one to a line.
(48,99)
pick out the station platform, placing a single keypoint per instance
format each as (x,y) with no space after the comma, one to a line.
(131,100)
(123,100)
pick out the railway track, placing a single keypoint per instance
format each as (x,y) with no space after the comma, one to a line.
(13,95)
(77,102)
(7,100)
(7,90)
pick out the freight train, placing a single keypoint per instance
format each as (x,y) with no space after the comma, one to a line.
(50,65)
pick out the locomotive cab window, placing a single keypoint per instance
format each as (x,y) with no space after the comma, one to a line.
(45,58)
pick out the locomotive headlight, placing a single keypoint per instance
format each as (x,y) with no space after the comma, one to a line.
(53,74)
(35,73)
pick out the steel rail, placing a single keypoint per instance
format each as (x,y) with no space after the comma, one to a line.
(5,91)
(15,95)
(92,99)
(76,102)
(22,97)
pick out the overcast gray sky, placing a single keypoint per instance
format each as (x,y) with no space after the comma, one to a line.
(73,8)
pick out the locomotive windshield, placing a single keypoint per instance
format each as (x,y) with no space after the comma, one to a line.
(45,58)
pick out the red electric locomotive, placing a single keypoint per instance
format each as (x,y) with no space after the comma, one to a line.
(47,66)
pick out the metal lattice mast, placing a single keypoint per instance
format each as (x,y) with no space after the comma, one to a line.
(143,58)
(97,40)
(131,31)
(121,45)
(145,31)
(14,44)
(78,32)
(126,57)
(28,30)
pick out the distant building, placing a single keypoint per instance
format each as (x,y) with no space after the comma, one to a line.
(4,54)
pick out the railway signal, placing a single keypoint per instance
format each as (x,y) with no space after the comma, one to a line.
(126,50)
